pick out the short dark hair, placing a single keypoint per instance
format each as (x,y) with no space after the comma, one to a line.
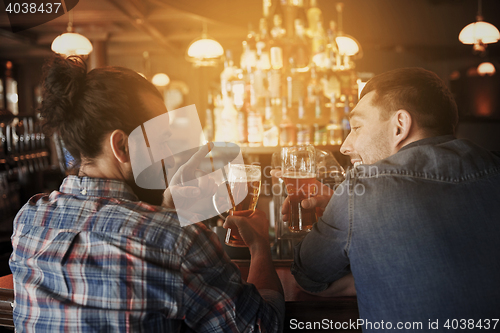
(420,92)
(83,107)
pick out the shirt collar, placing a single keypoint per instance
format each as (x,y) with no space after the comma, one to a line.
(434,140)
(97,187)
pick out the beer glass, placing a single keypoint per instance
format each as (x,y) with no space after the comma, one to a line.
(243,182)
(328,170)
(299,173)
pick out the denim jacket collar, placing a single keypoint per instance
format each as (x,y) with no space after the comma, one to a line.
(433,140)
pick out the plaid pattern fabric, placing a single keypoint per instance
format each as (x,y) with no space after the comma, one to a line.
(91,258)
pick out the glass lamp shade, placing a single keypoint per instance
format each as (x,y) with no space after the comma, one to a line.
(347,45)
(205,48)
(486,68)
(160,80)
(71,44)
(479,32)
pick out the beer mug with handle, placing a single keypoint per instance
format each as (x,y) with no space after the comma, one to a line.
(298,169)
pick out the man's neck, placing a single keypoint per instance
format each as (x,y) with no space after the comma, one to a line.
(413,136)
(99,169)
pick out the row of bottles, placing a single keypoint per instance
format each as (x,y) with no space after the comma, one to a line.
(292,86)
(326,124)
(297,38)
(22,141)
(24,156)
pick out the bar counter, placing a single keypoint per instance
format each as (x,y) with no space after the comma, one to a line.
(304,308)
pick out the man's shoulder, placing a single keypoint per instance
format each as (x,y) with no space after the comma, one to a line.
(454,160)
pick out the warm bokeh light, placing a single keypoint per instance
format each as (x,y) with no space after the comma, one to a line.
(347,45)
(479,32)
(486,68)
(71,44)
(160,80)
(205,48)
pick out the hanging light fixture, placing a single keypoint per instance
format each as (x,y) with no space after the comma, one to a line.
(479,33)
(348,45)
(486,68)
(71,43)
(204,51)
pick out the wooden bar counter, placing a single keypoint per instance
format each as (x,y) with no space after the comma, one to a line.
(303,308)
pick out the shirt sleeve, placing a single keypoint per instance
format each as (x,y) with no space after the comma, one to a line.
(277,301)
(322,258)
(216,298)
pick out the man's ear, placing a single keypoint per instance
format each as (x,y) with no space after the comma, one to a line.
(402,123)
(119,145)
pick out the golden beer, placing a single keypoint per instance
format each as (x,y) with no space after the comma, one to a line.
(244,184)
(300,186)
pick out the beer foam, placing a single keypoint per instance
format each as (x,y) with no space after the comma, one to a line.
(238,173)
(298,174)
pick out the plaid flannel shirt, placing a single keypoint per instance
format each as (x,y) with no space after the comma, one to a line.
(90,258)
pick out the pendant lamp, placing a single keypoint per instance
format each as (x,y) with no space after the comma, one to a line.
(71,43)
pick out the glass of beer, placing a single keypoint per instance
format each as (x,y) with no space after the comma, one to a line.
(243,182)
(328,170)
(298,167)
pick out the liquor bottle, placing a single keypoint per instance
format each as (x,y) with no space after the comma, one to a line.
(346,127)
(314,15)
(334,128)
(319,46)
(303,128)
(208,130)
(254,119)
(266,6)
(251,43)
(333,50)
(242,123)
(271,131)
(263,39)
(3,140)
(320,133)
(227,126)
(228,74)
(218,108)
(288,130)
(294,85)
(314,88)
(274,82)
(251,38)
(300,50)
(4,194)
(260,77)
(278,32)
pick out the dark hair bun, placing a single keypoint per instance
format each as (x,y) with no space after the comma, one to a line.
(63,84)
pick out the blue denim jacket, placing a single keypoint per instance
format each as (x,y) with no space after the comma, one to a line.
(420,231)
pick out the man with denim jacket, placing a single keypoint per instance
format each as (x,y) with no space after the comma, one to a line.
(414,229)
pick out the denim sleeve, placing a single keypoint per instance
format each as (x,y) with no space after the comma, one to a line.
(321,258)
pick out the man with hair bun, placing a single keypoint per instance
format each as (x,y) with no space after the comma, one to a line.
(414,229)
(93,257)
